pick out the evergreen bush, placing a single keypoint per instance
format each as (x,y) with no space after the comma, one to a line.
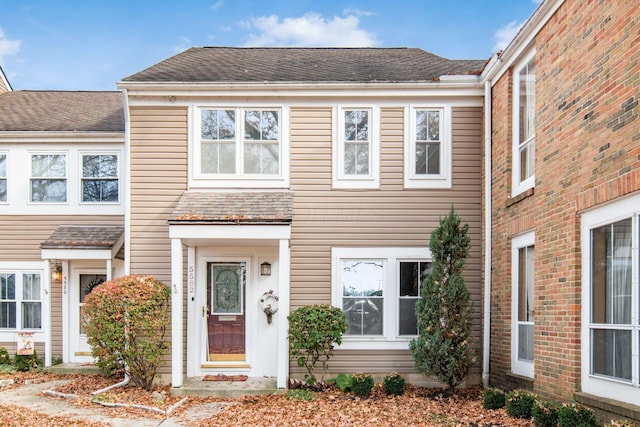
(26,362)
(5,359)
(394,384)
(443,347)
(575,415)
(362,384)
(545,414)
(520,404)
(493,398)
(127,323)
(313,332)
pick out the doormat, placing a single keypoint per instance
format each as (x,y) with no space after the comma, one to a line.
(221,377)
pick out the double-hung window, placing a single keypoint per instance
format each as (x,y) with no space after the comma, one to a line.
(48,182)
(611,293)
(428,155)
(522,304)
(524,115)
(100,183)
(20,300)
(3,177)
(378,288)
(239,143)
(357,149)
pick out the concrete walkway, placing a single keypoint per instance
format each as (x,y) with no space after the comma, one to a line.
(30,396)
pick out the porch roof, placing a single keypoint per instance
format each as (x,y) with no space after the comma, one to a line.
(241,207)
(84,237)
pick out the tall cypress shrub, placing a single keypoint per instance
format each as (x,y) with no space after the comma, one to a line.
(443,346)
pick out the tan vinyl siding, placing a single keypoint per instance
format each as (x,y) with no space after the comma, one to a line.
(158,156)
(22,234)
(391,216)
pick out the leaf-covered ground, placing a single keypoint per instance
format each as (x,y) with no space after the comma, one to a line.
(417,407)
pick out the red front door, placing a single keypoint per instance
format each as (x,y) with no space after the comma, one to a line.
(226,319)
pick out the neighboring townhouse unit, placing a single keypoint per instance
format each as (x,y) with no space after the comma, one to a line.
(564,202)
(314,175)
(62,186)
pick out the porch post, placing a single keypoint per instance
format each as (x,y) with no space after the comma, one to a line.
(284,262)
(46,312)
(176,313)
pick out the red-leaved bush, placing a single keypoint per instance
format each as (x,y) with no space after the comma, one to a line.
(126,321)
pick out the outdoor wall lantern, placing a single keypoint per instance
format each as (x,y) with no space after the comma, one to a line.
(265,269)
(56,273)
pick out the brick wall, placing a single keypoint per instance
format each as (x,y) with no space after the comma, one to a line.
(587,153)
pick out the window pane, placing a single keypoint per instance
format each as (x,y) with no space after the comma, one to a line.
(356,125)
(99,190)
(611,264)
(3,190)
(7,314)
(3,165)
(7,286)
(525,342)
(409,279)
(261,158)
(218,158)
(48,165)
(611,353)
(408,323)
(48,190)
(362,284)
(356,158)
(527,79)
(100,166)
(525,284)
(31,287)
(261,125)
(218,124)
(31,318)
(427,158)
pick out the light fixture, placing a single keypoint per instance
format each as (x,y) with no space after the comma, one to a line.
(265,269)
(56,273)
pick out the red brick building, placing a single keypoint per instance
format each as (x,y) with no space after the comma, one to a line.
(564,200)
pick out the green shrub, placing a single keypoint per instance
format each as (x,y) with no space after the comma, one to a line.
(444,311)
(126,321)
(343,381)
(362,384)
(394,384)
(575,415)
(313,331)
(493,398)
(545,414)
(299,394)
(5,359)
(520,404)
(26,362)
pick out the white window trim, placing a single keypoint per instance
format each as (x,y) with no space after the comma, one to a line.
(519,367)
(340,180)
(81,154)
(518,186)
(67,158)
(197,179)
(389,340)
(444,179)
(19,267)
(628,207)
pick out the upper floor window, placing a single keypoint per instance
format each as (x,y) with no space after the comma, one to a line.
(378,288)
(100,178)
(524,114)
(20,300)
(3,177)
(248,146)
(428,157)
(357,149)
(48,178)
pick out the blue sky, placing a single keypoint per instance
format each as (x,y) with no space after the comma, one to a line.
(90,45)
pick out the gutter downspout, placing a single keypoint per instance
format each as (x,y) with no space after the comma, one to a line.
(127,172)
(486,336)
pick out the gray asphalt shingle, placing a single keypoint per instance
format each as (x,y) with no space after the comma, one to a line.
(83,237)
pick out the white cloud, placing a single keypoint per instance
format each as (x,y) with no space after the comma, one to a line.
(8,47)
(185,43)
(505,34)
(217,5)
(357,12)
(536,1)
(308,30)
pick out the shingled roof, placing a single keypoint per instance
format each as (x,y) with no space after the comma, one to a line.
(83,237)
(60,111)
(234,207)
(238,65)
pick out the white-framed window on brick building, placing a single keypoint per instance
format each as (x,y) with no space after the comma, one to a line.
(378,288)
(48,182)
(522,304)
(524,121)
(610,243)
(357,148)
(427,158)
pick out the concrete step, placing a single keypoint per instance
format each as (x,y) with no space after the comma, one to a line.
(196,386)
(75,368)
